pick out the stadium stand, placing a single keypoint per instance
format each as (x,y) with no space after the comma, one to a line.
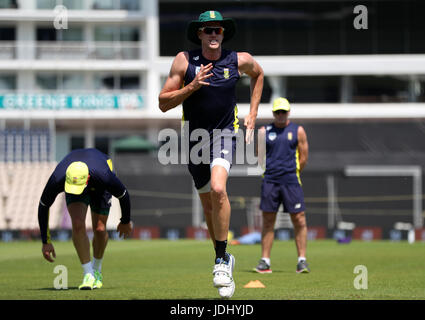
(22,185)
(4,182)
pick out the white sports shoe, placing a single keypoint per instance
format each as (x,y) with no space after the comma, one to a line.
(227,292)
(223,276)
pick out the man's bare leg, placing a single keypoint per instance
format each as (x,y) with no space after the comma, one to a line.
(220,208)
(78,211)
(300,230)
(100,235)
(207,207)
(267,234)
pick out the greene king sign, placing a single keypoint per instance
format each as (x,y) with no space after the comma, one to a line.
(71,102)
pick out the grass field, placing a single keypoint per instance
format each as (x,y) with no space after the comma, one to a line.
(162,269)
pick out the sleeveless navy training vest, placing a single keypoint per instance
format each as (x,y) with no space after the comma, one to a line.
(282,157)
(214,106)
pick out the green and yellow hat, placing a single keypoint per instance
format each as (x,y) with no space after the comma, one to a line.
(228,24)
(77,177)
(281,104)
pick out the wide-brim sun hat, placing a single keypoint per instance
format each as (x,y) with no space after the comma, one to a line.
(228,24)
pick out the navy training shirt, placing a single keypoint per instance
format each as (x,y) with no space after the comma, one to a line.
(282,156)
(101,175)
(214,106)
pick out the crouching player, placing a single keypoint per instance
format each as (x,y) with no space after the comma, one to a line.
(88,179)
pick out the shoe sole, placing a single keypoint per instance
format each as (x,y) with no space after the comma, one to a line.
(303,271)
(227,295)
(86,288)
(262,271)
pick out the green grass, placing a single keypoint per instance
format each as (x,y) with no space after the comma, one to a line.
(182,269)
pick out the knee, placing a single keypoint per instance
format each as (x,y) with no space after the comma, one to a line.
(78,226)
(100,230)
(218,191)
(299,221)
(268,221)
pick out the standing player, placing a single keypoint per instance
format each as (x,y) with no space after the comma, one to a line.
(204,81)
(87,177)
(285,147)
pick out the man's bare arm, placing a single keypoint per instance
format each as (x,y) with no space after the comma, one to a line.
(302,147)
(249,66)
(173,93)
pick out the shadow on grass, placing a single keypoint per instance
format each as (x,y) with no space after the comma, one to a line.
(173,299)
(274,271)
(70,288)
(53,289)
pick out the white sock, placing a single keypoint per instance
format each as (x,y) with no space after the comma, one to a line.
(267,260)
(97,264)
(87,267)
(301,259)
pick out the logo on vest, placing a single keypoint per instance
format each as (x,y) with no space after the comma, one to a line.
(289,135)
(226,73)
(272,136)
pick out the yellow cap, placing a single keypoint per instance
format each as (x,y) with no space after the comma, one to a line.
(77,175)
(281,104)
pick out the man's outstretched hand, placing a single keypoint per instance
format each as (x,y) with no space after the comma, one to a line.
(125,229)
(202,75)
(47,251)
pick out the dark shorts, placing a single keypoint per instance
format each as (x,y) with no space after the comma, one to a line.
(223,147)
(290,195)
(99,203)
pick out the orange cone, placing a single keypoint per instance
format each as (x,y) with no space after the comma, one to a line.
(254,284)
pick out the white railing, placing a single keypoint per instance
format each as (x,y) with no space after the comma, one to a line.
(7,50)
(89,50)
(74,50)
(373,64)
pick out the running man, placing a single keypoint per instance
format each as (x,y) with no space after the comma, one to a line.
(87,177)
(204,81)
(285,148)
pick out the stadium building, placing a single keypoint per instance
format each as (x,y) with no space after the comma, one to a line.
(77,74)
